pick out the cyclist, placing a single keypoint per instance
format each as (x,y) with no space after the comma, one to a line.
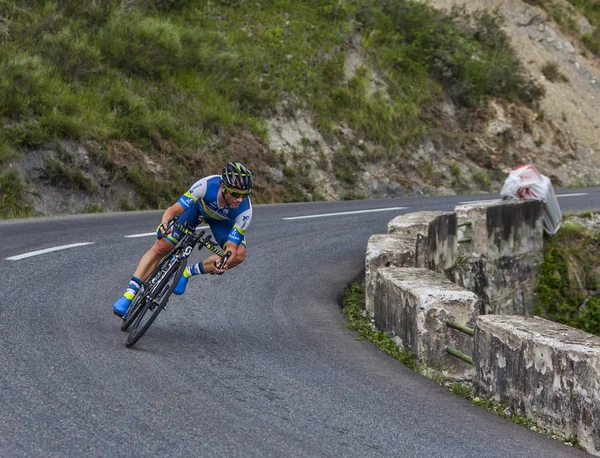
(223,201)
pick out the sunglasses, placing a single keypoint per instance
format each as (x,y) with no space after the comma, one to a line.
(237,194)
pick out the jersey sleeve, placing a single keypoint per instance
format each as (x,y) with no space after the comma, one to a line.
(195,193)
(236,235)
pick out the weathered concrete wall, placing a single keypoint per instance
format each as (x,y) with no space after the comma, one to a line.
(385,250)
(413,305)
(442,243)
(435,234)
(549,371)
(501,228)
(499,264)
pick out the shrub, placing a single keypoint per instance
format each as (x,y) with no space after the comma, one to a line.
(73,55)
(139,45)
(14,202)
(569,275)
(592,43)
(551,71)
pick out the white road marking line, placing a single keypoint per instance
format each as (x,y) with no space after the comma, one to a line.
(47,250)
(347,213)
(478,201)
(148,234)
(573,195)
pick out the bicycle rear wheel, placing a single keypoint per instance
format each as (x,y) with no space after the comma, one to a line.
(156,300)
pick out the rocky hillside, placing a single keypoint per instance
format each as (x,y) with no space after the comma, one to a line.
(296,158)
(561,136)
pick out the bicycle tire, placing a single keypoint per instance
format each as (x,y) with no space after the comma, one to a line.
(158,298)
(140,299)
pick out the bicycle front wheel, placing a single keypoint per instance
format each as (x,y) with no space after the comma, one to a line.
(142,297)
(155,302)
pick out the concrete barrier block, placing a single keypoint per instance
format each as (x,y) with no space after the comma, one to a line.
(436,237)
(501,228)
(505,286)
(413,305)
(545,370)
(442,243)
(385,250)
(500,263)
(416,223)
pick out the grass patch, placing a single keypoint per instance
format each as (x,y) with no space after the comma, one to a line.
(503,409)
(568,289)
(68,175)
(353,304)
(14,202)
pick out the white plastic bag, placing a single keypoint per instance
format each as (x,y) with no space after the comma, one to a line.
(527,183)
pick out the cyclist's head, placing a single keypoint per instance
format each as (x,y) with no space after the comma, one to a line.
(236,175)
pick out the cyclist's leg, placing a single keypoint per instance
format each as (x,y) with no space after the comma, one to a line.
(165,245)
(151,258)
(220,232)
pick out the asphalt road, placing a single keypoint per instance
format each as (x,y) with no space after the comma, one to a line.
(255,363)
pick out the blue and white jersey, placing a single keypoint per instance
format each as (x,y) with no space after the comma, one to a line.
(204,195)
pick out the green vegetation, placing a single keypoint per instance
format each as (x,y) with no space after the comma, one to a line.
(13,203)
(179,83)
(359,320)
(568,290)
(504,409)
(591,10)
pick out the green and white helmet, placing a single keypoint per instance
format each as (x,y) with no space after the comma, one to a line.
(236,175)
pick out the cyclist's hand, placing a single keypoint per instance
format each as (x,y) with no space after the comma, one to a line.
(162,230)
(219,267)
(221,264)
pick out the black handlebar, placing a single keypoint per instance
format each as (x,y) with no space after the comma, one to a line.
(224,260)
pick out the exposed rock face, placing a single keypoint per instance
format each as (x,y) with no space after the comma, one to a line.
(567,141)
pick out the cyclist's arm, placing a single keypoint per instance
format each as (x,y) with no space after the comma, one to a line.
(172,212)
(197,191)
(241,224)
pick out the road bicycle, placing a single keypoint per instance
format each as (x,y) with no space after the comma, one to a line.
(155,292)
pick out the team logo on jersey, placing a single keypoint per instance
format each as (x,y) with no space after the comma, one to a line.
(244,221)
(196,186)
(187,200)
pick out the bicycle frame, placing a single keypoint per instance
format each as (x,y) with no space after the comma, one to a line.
(154,294)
